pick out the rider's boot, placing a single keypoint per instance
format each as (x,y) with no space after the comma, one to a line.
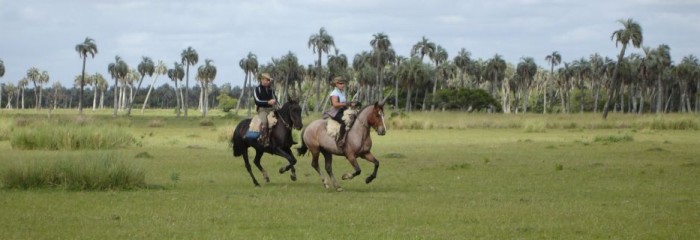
(264,136)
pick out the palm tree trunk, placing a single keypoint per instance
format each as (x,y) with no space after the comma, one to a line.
(660,96)
(94,97)
(396,94)
(102,98)
(178,94)
(41,92)
(150,88)
(116,89)
(318,83)
(82,84)
(240,98)
(186,97)
(408,98)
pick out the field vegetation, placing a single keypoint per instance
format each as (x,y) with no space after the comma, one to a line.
(443,175)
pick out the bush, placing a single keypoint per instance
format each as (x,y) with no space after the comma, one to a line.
(89,172)
(226,103)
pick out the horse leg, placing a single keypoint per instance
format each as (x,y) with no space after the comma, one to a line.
(287,153)
(247,167)
(314,164)
(353,161)
(374,160)
(258,157)
(329,169)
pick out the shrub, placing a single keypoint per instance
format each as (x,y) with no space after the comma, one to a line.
(614,139)
(226,103)
(156,123)
(206,122)
(88,172)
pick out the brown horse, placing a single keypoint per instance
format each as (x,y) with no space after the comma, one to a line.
(358,143)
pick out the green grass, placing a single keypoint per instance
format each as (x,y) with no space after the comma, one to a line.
(468,176)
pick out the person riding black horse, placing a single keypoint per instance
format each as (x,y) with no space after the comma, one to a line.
(265,100)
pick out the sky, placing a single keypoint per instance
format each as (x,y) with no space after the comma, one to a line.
(44,33)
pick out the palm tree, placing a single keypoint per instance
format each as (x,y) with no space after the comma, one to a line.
(320,43)
(176,74)
(462,61)
(21,85)
(2,73)
(526,69)
(289,66)
(159,69)
(495,68)
(43,79)
(118,70)
(189,57)
(34,75)
(56,88)
(438,56)
(381,46)
(553,59)
(87,46)
(99,83)
(146,67)
(660,58)
(249,64)
(411,72)
(631,31)
(597,72)
(422,48)
(206,73)
(687,71)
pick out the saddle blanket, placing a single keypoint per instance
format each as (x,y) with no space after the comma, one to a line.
(333,127)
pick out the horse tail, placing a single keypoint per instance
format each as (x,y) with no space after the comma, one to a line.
(302,150)
(237,139)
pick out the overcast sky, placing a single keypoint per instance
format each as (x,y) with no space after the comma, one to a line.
(43,33)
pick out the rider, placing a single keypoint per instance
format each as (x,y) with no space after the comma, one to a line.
(338,105)
(265,101)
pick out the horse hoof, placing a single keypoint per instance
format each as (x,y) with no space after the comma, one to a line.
(339,189)
(267,180)
(282,170)
(294,177)
(347,176)
(369,180)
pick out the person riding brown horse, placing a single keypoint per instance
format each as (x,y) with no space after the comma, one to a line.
(316,138)
(339,104)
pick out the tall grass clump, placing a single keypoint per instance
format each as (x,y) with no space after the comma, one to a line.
(672,124)
(69,137)
(614,139)
(89,172)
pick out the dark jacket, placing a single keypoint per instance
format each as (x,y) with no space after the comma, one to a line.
(263,94)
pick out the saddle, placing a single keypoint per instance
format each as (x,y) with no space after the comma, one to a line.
(256,124)
(333,127)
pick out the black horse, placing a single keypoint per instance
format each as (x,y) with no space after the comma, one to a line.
(281,141)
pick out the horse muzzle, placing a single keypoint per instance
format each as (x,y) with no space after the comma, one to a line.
(298,126)
(381,131)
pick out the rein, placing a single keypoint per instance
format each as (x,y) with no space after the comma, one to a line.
(281,118)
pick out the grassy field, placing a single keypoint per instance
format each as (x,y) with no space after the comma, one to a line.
(442,176)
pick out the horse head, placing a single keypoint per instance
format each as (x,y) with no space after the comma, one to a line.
(375,119)
(294,110)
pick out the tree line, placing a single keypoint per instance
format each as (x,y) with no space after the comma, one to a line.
(426,80)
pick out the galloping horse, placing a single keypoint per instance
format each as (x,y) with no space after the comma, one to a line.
(357,144)
(280,140)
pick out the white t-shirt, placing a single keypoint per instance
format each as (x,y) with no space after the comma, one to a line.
(339,94)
